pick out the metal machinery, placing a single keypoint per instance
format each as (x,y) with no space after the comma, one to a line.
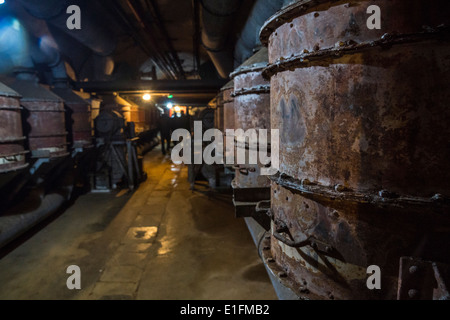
(251,111)
(227,122)
(203,171)
(364,172)
(35,156)
(12,140)
(43,125)
(117,159)
(228,115)
(220,176)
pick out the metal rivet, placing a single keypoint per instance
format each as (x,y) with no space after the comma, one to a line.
(413,269)
(413,293)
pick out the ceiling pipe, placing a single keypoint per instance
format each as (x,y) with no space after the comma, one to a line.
(44,54)
(132,5)
(248,42)
(156,15)
(93,34)
(217,17)
(115,8)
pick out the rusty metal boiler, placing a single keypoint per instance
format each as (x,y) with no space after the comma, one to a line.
(228,114)
(12,139)
(44,114)
(364,172)
(251,111)
(78,120)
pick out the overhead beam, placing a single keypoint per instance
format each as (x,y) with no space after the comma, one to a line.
(153,86)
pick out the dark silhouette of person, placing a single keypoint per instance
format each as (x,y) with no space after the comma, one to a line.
(165,128)
(183,121)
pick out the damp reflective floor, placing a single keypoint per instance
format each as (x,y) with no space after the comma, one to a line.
(161,242)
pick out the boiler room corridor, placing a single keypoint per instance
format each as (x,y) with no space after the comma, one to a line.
(161,242)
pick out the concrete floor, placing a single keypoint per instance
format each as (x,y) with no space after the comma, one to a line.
(162,242)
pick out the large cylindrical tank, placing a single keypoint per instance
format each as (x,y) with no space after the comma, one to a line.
(78,120)
(44,115)
(227,115)
(228,105)
(12,151)
(251,112)
(363,118)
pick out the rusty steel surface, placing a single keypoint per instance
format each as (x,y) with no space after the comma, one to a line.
(423,280)
(45,119)
(78,120)
(228,106)
(353,236)
(252,105)
(12,152)
(248,175)
(364,172)
(47,135)
(357,125)
(313,25)
(251,93)
(228,113)
(346,132)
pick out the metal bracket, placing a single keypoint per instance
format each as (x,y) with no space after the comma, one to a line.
(244,170)
(423,280)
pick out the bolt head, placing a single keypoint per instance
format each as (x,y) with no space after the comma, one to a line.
(413,293)
(413,269)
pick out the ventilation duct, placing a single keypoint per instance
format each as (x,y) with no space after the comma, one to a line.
(248,41)
(93,34)
(217,21)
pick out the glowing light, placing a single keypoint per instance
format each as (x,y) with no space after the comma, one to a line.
(170,96)
(177,109)
(146,97)
(169,105)
(2,1)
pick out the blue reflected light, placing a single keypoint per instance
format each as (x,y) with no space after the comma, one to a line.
(14,49)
